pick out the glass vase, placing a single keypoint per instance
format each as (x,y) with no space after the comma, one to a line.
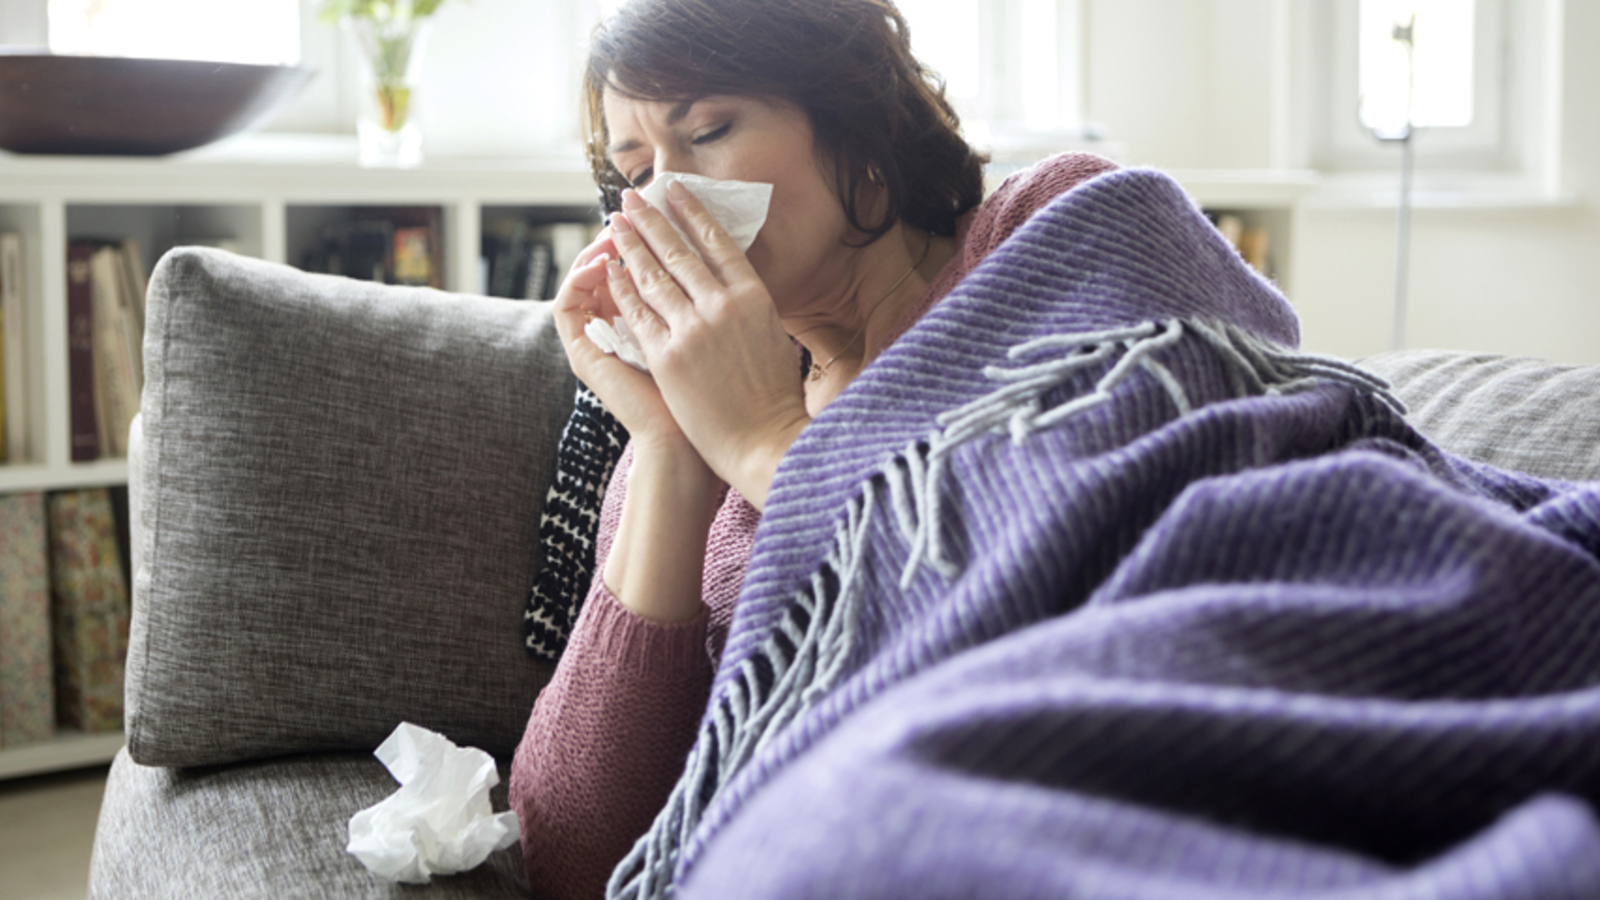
(390,74)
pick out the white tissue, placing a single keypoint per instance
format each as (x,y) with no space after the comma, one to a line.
(615,337)
(440,820)
(740,207)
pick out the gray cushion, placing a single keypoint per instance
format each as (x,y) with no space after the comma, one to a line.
(1522,414)
(273,829)
(340,487)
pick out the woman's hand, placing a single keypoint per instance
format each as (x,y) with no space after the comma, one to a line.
(630,395)
(725,367)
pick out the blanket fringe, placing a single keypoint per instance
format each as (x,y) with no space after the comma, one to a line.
(811,650)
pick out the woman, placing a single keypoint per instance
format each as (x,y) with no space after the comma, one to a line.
(877,211)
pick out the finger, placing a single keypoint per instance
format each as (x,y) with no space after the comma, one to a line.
(669,246)
(646,325)
(572,316)
(581,283)
(721,255)
(600,245)
(651,281)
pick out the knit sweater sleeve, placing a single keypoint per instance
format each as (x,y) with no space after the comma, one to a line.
(608,735)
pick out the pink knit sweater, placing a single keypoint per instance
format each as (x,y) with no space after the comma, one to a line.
(608,736)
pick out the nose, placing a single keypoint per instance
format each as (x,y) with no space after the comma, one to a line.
(671,160)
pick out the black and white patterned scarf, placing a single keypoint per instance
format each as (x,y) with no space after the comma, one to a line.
(590,446)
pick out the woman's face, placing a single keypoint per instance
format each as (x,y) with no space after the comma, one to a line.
(743,139)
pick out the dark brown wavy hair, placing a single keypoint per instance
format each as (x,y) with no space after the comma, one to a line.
(873,107)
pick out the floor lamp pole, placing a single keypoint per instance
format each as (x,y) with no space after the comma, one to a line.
(1402,254)
(1405,34)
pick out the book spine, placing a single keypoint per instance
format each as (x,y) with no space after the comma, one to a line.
(413,256)
(114,355)
(80,343)
(90,612)
(135,285)
(538,272)
(27,680)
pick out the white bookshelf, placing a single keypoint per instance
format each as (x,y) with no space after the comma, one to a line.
(260,191)
(267,193)
(70,750)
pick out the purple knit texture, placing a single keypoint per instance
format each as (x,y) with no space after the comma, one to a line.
(1278,646)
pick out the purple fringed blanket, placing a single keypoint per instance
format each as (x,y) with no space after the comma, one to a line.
(1090,587)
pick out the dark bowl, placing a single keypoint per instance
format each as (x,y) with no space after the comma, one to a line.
(133,107)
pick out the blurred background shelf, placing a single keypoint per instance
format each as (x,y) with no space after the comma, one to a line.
(69,750)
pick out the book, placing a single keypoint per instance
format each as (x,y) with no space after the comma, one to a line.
(1231,226)
(90,610)
(116,351)
(413,255)
(135,284)
(508,247)
(27,677)
(541,271)
(80,353)
(13,355)
(527,260)
(391,245)
(1253,247)
(358,249)
(1250,242)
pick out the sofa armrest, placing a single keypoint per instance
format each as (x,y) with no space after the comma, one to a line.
(1516,413)
(337,489)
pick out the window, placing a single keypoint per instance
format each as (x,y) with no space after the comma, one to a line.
(246,31)
(1417,64)
(1012,68)
(1487,89)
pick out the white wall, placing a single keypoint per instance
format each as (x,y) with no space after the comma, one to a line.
(499,78)
(1203,84)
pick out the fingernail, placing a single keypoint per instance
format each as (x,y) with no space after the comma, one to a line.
(620,223)
(632,200)
(614,268)
(677,191)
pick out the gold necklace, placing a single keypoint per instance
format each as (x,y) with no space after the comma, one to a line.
(817,371)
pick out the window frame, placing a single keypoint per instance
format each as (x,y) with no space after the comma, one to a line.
(997,118)
(1341,142)
(1523,168)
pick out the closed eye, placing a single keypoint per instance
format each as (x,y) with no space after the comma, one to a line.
(642,178)
(710,136)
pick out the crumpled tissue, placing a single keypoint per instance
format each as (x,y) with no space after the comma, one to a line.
(740,207)
(615,337)
(440,820)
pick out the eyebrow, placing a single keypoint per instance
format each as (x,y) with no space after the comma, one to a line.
(673,118)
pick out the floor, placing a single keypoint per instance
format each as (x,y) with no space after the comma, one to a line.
(47,832)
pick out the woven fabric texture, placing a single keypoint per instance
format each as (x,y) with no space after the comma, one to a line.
(340,489)
(1091,586)
(1523,414)
(276,829)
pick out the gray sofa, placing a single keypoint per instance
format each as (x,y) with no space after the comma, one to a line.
(336,492)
